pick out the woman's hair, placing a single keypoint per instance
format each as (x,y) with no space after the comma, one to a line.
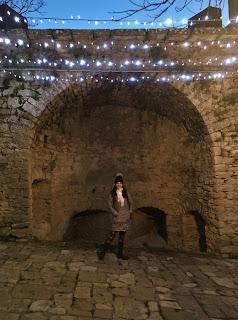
(114,192)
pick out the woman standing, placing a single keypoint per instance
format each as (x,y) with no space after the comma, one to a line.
(120,205)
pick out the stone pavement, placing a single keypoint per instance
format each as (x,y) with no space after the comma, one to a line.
(59,281)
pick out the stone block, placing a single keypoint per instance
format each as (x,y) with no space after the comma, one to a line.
(92,276)
(170,304)
(103,314)
(63,300)
(40,305)
(82,292)
(123,292)
(127,278)
(129,308)
(142,293)
(102,296)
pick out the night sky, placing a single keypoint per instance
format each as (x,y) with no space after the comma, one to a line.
(100,10)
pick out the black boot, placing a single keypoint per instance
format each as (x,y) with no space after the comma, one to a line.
(120,254)
(102,251)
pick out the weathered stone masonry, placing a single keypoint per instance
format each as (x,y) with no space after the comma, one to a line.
(176,143)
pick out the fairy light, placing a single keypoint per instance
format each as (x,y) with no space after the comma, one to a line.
(146,46)
(104,64)
(186,44)
(17,19)
(82,62)
(122,78)
(169,21)
(20,42)
(132,79)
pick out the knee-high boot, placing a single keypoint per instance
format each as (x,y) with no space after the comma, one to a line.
(103,251)
(120,254)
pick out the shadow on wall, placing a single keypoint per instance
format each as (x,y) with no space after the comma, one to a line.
(201,224)
(148,227)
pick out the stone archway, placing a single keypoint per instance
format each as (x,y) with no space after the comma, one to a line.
(150,132)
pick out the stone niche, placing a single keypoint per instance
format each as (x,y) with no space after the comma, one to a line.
(148,228)
(150,133)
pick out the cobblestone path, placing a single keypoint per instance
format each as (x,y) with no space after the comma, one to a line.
(58,281)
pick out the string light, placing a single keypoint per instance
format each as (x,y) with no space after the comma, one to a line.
(156,23)
(134,64)
(168,21)
(20,42)
(122,78)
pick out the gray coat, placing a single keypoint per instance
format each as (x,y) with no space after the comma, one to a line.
(121,216)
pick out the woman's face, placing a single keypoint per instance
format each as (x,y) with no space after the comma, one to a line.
(119,185)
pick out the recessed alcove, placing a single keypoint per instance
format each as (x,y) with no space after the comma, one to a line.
(147,227)
(89,133)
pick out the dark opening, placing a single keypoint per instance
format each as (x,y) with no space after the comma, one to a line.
(201,223)
(159,218)
(45,141)
(88,226)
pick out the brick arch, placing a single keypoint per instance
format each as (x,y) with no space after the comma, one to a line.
(82,110)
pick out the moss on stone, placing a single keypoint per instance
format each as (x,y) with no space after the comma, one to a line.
(230,99)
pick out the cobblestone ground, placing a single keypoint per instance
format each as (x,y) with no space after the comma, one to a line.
(59,281)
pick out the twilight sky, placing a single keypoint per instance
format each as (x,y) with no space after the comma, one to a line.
(96,10)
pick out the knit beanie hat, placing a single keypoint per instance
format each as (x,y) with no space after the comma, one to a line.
(119,178)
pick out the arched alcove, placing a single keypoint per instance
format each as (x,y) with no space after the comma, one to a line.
(150,132)
(148,227)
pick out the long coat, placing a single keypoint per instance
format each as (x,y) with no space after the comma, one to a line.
(121,216)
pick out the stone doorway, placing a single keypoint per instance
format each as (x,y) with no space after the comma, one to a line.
(194,232)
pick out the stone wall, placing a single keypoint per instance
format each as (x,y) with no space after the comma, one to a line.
(176,143)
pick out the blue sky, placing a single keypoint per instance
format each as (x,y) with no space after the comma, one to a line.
(96,10)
